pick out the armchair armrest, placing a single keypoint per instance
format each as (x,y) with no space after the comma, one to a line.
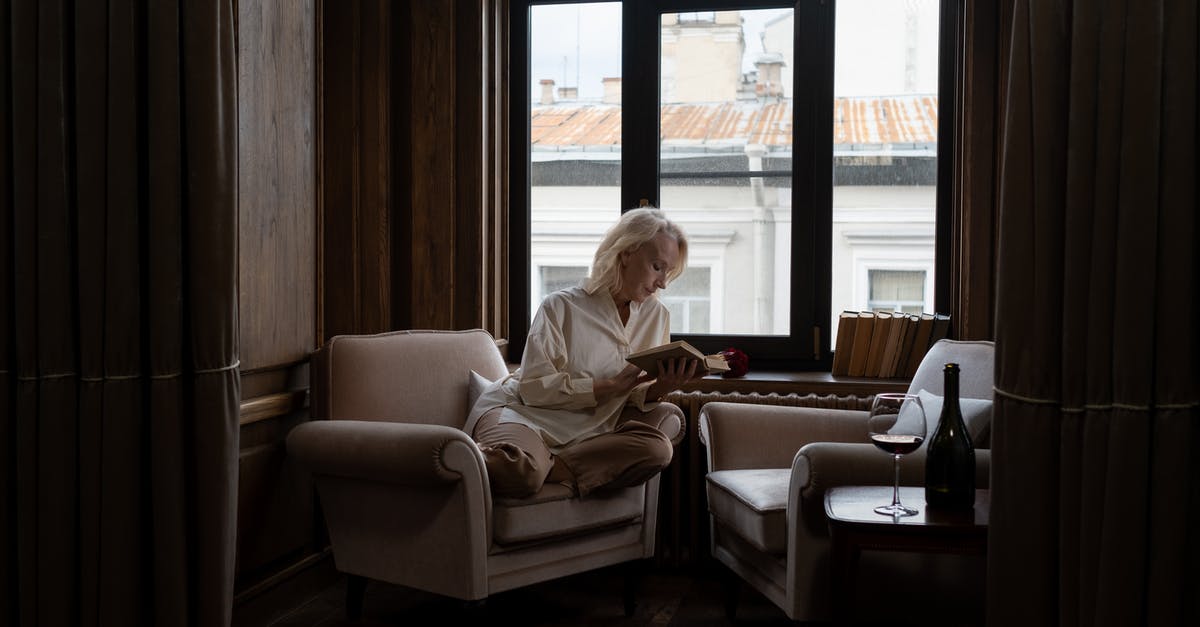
(741,435)
(405,503)
(823,465)
(668,418)
(389,452)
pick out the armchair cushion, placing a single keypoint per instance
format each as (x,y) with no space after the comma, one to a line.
(551,512)
(753,503)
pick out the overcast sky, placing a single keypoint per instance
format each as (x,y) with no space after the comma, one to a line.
(579,44)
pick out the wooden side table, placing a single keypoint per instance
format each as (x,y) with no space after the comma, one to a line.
(854,526)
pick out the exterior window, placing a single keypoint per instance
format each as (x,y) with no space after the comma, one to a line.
(897,290)
(885,131)
(795,141)
(725,155)
(689,298)
(574,152)
(555,278)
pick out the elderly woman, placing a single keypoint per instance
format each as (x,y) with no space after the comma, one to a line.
(575,412)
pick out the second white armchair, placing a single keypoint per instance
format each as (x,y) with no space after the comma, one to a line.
(769,468)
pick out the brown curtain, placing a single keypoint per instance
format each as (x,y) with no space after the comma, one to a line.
(118,310)
(1096,445)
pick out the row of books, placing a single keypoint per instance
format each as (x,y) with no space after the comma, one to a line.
(885,344)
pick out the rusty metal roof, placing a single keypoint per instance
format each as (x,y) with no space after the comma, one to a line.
(863,121)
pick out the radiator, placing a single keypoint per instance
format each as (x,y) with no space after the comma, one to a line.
(683,506)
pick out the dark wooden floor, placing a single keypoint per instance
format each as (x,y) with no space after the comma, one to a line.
(665,598)
(594,598)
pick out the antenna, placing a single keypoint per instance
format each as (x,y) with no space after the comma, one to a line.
(576,49)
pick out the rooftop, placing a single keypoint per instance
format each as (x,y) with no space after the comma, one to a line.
(862,125)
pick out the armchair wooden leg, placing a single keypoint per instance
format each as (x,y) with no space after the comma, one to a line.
(632,579)
(356,587)
(474,611)
(733,589)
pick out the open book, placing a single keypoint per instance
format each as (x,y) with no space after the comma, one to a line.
(648,359)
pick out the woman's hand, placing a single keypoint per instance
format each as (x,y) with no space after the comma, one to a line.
(620,385)
(672,375)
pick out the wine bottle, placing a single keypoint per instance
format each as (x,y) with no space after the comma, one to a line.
(950,459)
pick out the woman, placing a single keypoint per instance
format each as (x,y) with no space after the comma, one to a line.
(576,412)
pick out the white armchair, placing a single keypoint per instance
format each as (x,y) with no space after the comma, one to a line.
(404,490)
(769,468)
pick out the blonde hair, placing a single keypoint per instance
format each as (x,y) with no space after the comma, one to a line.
(634,229)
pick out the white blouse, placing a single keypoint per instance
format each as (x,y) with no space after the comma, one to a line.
(576,337)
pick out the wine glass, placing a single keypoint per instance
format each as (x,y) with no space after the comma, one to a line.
(896,425)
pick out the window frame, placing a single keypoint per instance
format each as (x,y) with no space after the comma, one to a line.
(806,347)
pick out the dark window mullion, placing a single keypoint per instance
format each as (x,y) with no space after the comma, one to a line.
(948,28)
(518,194)
(639,103)
(816,25)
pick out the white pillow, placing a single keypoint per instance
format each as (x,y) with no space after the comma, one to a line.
(476,384)
(976,413)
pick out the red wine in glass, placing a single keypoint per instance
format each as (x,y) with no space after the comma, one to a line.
(896,444)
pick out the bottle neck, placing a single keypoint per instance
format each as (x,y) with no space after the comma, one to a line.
(950,389)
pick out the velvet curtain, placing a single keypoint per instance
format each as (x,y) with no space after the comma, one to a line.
(1096,441)
(118,312)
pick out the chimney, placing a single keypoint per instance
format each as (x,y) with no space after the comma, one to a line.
(770,81)
(727,17)
(547,91)
(612,90)
(568,93)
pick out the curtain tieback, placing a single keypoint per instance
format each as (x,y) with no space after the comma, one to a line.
(124,377)
(1092,406)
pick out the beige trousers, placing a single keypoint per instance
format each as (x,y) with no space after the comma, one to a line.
(518,461)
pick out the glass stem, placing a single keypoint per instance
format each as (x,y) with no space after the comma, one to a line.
(896,483)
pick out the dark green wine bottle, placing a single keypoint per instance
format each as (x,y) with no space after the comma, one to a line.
(950,460)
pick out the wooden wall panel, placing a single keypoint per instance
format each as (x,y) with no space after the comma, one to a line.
(276,181)
(373,231)
(413,196)
(453,130)
(470,161)
(275,504)
(973,268)
(495,171)
(412,172)
(338,93)
(357,197)
(409,228)
(432,150)
(277,274)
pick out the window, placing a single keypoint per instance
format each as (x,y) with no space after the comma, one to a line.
(795,143)
(690,301)
(896,290)
(555,278)
(885,155)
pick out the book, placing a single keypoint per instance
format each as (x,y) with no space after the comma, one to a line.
(879,337)
(901,358)
(863,331)
(648,359)
(941,328)
(845,342)
(891,346)
(919,344)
